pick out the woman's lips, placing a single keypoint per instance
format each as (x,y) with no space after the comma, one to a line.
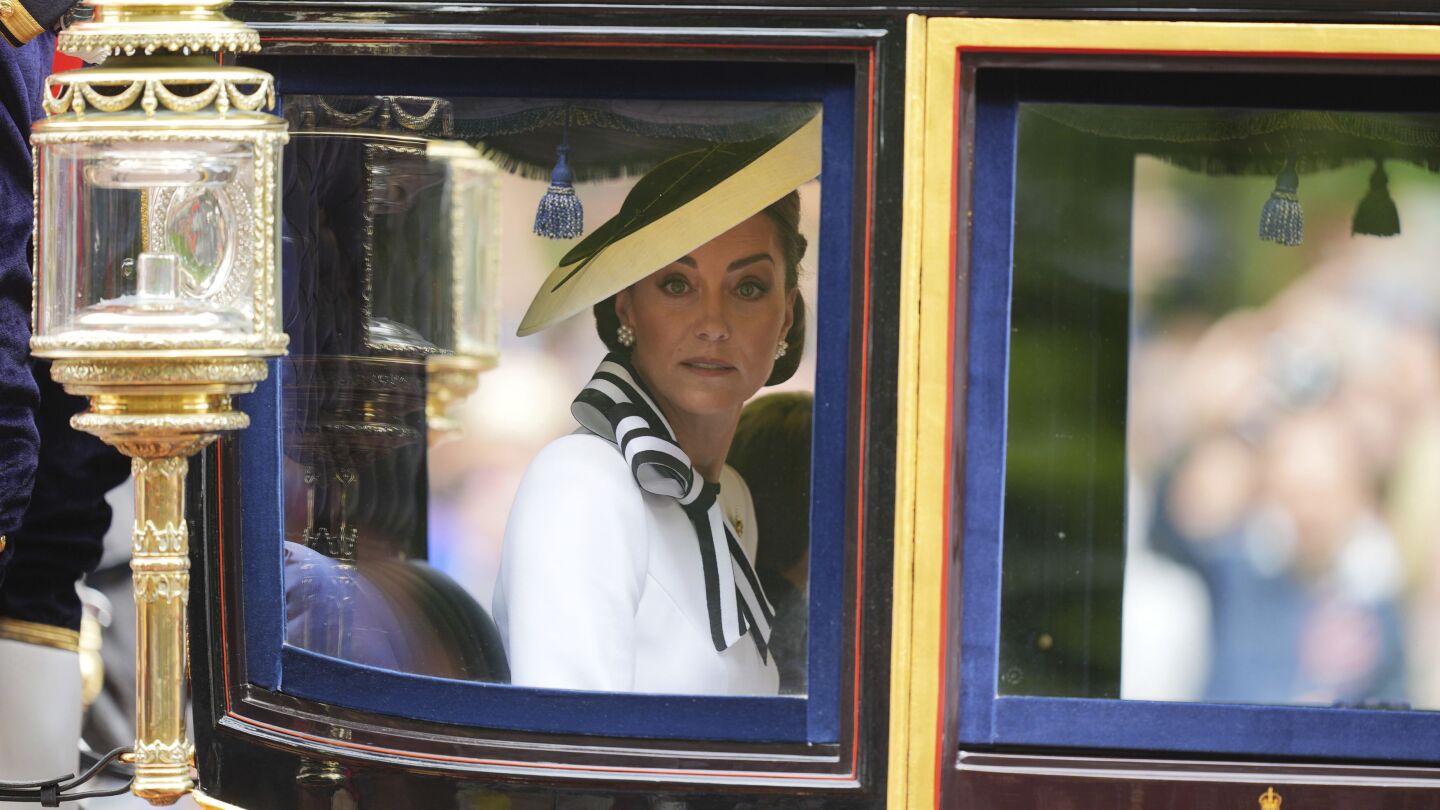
(707,366)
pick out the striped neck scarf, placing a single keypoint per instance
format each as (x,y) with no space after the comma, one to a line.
(615,406)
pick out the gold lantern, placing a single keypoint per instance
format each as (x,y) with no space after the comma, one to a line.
(157,287)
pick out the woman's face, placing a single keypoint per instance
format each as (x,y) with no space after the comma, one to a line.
(706,325)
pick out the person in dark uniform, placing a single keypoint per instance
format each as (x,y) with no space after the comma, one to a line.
(52,478)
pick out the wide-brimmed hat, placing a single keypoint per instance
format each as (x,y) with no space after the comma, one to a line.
(678,206)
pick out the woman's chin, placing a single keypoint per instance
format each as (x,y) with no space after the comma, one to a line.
(716,397)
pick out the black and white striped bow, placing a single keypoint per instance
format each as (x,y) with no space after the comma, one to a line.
(616,406)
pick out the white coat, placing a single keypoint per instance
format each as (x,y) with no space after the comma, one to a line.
(601,586)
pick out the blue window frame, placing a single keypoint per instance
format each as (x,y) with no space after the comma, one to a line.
(992,714)
(273,664)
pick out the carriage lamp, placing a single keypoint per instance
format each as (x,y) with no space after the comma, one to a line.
(472,204)
(157,287)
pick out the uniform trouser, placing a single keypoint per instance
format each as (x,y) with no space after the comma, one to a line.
(59,541)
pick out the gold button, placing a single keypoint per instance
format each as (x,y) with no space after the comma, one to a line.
(2,542)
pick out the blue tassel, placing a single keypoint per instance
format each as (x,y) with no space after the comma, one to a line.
(1281,220)
(560,215)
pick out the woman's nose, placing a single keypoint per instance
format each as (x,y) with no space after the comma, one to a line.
(714,317)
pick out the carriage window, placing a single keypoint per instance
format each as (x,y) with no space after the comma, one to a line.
(1223,408)
(512,526)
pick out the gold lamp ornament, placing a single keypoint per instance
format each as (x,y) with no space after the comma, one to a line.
(157,281)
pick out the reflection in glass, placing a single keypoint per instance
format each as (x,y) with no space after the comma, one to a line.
(1223,433)
(372,272)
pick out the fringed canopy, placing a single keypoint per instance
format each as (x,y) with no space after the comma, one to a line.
(1258,142)
(607,139)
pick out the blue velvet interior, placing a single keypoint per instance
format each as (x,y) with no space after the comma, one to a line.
(985,409)
(986,719)
(792,719)
(1319,732)
(743,719)
(262,569)
(831,418)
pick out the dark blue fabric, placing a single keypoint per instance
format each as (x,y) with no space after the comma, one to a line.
(61,537)
(986,369)
(262,529)
(830,443)
(443,700)
(1268,731)
(53,479)
(21,72)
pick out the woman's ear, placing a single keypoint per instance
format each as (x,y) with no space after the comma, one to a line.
(622,307)
(790,296)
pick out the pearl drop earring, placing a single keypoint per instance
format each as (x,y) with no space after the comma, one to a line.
(781,348)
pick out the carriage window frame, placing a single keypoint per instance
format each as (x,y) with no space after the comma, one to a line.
(981,261)
(815,718)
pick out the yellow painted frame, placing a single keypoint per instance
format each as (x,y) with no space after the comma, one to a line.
(930,288)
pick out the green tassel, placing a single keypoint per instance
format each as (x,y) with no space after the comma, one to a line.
(1282,220)
(1376,215)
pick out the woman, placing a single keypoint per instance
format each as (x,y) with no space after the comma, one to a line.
(627,563)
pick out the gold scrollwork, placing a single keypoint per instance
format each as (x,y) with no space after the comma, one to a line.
(76,93)
(263,96)
(153,587)
(159,467)
(152,540)
(187,104)
(225,372)
(117,43)
(110,103)
(160,752)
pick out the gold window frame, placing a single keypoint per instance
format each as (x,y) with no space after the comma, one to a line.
(938,156)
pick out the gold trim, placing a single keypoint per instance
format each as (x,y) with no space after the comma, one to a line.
(18,20)
(903,681)
(925,387)
(44,635)
(1221,38)
(152,89)
(212,372)
(147,26)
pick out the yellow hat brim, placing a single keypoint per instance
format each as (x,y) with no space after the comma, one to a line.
(788,165)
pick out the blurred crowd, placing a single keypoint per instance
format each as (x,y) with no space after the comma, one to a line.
(1283,458)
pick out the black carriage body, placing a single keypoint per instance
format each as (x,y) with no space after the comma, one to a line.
(267,740)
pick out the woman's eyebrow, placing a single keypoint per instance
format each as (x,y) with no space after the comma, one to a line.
(740,264)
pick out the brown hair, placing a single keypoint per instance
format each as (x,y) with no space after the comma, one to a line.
(785,213)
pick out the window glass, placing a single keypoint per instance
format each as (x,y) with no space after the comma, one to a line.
(403,485)
(1223,407)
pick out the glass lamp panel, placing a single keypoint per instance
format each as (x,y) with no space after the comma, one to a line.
(407,250)
(147,237)
(478,332)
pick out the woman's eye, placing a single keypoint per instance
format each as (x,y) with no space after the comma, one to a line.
(675,285)
(750,289)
